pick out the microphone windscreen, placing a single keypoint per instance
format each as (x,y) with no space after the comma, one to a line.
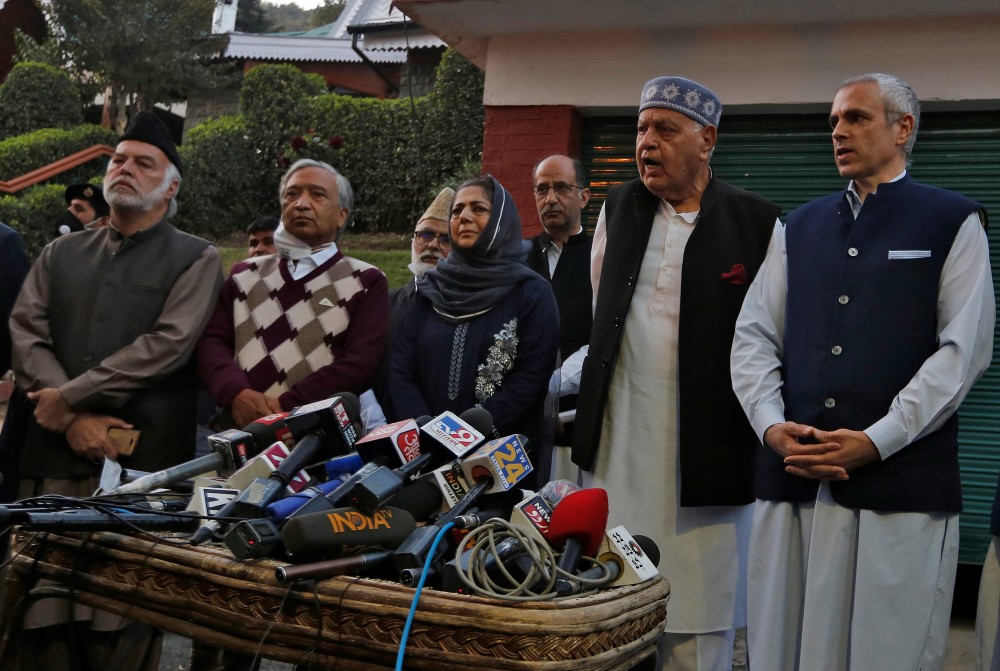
(423,419)
(581,515)
(649,548)
(352,405)
(554,491)
(421,498)
(332,533)
(269,430)
(480,419)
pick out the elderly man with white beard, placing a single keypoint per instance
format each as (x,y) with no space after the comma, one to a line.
(431,243)
(103,332)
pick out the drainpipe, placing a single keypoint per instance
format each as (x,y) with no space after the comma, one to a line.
(393,88)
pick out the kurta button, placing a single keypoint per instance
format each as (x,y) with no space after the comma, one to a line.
(829,403)
(837,349)
(629,280)
(843,300)
(617,321)
(853,251)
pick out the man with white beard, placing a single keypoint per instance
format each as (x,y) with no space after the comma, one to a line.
(103,332)
(431,243)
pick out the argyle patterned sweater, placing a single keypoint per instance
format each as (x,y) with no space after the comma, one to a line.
(296,340)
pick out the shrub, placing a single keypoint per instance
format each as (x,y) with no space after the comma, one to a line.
(35,96)
(228,182)
(23,153)
(33,214)
(397,154)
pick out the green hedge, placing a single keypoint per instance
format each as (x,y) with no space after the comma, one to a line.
(37,95)
(23,153)
(397,154)
(33,213)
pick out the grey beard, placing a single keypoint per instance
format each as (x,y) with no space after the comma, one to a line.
(419,268)
(137,201)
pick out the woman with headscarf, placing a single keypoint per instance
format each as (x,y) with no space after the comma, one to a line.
(485,328)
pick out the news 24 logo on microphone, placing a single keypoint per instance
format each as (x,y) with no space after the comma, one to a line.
(504,461)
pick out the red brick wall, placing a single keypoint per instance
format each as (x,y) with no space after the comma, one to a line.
(516,138)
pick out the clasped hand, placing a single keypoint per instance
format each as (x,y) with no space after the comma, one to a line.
(822,455)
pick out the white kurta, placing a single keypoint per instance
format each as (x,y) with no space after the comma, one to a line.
(703,550)
(838,588)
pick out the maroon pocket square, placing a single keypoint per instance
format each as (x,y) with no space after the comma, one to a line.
(737,275)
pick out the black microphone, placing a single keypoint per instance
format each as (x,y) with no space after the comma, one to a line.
(95,520)
(329,568)
(318,427)
(328,535)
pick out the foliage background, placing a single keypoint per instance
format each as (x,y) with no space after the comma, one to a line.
(397,153)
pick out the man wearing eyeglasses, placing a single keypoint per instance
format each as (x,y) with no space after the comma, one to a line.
(561,254)
(431,243)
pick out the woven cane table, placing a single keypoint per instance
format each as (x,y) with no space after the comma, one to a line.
(353,624)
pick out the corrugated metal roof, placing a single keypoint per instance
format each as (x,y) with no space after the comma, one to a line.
(331,43)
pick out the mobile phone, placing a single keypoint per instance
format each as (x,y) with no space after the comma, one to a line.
(124,440)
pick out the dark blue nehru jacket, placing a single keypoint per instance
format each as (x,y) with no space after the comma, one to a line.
(861,320)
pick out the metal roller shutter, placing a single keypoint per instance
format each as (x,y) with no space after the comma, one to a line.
(788,158)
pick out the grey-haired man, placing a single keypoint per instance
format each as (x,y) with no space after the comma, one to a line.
(657,424)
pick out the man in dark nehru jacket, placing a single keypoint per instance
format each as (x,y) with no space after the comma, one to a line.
(561,254)
(103,333)
(85,208)
(657,424)
(870,320)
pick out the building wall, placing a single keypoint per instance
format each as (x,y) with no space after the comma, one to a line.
(787,65)
(516,138)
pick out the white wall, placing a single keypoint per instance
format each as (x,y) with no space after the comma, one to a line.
(956,59)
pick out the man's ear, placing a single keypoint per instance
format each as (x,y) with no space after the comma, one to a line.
(710,135)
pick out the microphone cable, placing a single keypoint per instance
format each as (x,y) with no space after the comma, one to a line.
(539,581)
(416,593)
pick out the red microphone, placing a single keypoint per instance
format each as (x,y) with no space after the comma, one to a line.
(577,526)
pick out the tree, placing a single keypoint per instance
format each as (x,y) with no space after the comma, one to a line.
(328,12)
(37,95)
(250,18)
(142,51)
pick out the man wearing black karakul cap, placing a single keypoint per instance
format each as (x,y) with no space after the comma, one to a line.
(85,208)
(103,332)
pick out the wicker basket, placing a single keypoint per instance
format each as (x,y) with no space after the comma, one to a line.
(346,622)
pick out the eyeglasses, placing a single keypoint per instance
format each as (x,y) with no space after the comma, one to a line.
(561,189)
(426,237)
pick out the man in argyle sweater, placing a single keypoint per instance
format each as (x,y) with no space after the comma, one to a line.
(301,325)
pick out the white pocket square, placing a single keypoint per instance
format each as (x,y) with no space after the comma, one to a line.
(903,254)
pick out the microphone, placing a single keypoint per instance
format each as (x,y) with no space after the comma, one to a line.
(495,467)
(577,527)
(318,426)
(451,436)
(95,520)
(322,535)
(271,429)
(330,568)
(622,559)
(399,442)
(230,451)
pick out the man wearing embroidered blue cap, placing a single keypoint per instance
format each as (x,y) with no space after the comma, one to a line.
(868,323)
(673,255)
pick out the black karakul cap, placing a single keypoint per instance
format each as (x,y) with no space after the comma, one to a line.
(90,193)
(147,127)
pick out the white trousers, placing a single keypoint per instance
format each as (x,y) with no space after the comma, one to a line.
(839,589)
(988,612)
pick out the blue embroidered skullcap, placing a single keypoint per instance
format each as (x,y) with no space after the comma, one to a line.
(682,95)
